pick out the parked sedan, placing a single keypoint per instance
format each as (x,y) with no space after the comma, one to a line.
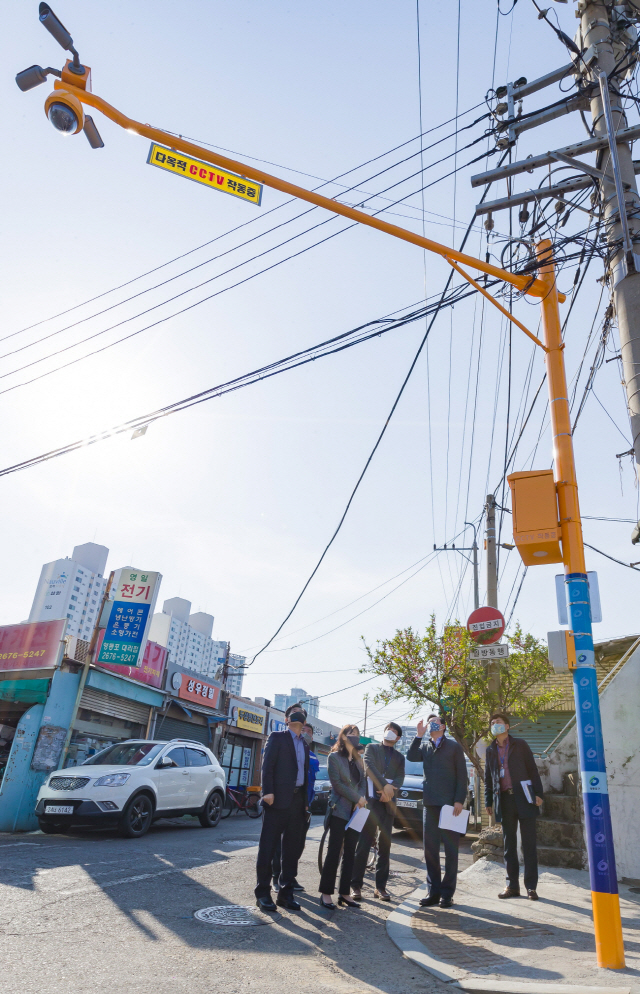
(131,784)
(321,791)
(409,799)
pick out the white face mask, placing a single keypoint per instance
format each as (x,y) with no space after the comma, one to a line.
(390,736)
(498,728)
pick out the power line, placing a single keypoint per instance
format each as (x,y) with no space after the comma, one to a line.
(336,344)
(189,307)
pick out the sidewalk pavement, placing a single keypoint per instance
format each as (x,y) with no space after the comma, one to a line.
(518,946)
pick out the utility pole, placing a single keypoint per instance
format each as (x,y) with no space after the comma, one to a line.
(474,562)
(605,39)
(492,560)
(493,667)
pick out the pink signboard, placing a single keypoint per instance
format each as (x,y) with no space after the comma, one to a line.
(151,671)
(30,647)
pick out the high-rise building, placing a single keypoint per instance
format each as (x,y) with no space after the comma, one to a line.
(298,695)
(72,589)
(235,674)
(188,637)
(409,733)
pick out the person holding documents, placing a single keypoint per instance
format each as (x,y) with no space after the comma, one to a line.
(384,769)
(513,793)
(444,787)
(348,786)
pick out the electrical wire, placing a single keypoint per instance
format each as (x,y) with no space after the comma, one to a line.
(612,558)
(336,344)
(203,300)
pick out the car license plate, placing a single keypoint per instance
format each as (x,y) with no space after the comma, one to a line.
(406,804)
(58,809)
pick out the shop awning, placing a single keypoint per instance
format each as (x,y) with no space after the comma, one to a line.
(112,684)
(25,691)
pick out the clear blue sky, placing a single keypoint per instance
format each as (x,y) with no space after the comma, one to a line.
(234,500)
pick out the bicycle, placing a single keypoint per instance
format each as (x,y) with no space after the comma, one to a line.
(248,801)
(371,861)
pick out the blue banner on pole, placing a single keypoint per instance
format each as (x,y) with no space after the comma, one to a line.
(123,637)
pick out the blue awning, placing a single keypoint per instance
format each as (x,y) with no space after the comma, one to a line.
(112,684)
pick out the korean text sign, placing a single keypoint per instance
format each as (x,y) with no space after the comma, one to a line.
(151,671)
(198,691)
(205,174)
(32,646)
(125,635)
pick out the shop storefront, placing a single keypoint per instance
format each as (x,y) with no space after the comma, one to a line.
(192,708)
(244,738)
(112,709)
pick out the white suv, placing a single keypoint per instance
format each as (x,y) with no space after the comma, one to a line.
(131,784)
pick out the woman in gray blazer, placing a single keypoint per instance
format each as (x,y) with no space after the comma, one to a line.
(348,791)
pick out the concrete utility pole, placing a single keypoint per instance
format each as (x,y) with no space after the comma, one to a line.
(493,668)
(492,561)
(606,35)
(474,562)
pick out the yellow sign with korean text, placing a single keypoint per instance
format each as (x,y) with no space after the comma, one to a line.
(204,173)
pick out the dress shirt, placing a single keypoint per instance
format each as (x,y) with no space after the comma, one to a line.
(438,742)
(298,745)
(503,759)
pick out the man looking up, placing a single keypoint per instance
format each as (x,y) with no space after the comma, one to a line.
(314,766)
(509,766)
(445,782)
(285,773)
(384,768)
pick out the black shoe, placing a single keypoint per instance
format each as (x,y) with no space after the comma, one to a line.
(328,907)
(265,904)
(446,902)
(510,892)
(428,902)
(297,886)
(289,903)
(532,895)
(276,885)
(348,902)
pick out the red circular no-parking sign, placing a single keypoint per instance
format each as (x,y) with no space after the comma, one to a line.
(486,625)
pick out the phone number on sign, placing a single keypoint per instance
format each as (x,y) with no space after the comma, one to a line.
(31,654)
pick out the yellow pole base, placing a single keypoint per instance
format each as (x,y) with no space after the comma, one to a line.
(608,929)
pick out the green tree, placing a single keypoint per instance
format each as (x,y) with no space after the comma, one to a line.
(435,670)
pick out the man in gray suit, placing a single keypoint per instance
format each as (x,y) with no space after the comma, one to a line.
(384,767)
(445,782)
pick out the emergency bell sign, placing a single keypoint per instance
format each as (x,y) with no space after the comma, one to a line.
(125,637)
(204,173)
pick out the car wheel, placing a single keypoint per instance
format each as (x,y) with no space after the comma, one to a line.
(136,818)
(212,810)
(48,827)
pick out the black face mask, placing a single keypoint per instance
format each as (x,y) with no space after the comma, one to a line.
(354,740)
(297,716)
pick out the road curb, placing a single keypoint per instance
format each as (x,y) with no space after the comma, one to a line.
(401,934)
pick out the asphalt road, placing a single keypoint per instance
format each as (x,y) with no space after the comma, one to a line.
(88,912)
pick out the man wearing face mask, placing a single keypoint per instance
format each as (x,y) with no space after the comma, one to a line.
(314,766)
(510,767)
(384,768)
(285,778)
(445,782)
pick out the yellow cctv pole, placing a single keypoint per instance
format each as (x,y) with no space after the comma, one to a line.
(597,815)
(72,90)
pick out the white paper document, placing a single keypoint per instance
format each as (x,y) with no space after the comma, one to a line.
(527,787)
(455,823)
(371,787)
(357,819)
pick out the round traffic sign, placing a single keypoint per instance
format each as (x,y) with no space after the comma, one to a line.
(486,625)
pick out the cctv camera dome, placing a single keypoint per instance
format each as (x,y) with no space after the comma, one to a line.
(63,118)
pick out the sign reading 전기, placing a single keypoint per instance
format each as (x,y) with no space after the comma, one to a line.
(204,173)
(125,635)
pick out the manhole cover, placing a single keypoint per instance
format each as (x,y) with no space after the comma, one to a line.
(232,914)
(240,843)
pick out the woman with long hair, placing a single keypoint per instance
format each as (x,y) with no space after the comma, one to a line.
(348,791)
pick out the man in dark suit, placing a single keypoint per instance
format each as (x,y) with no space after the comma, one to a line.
(384,767)
(509,767)
(445,782)
(285,774)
